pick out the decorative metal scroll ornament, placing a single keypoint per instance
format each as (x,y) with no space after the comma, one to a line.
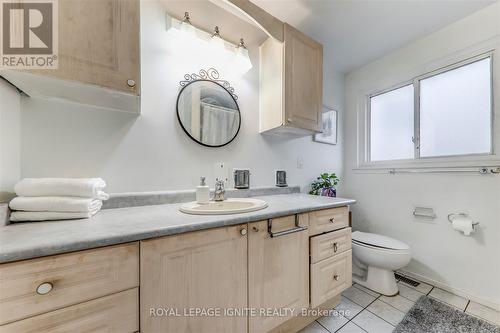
(209,75)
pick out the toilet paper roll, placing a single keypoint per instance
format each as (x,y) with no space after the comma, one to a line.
(463,224)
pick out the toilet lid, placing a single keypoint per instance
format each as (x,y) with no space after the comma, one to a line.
(378,241)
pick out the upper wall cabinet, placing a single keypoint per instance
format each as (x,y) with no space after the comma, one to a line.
(291,84)
(291,75)
(303,76)
(99,56)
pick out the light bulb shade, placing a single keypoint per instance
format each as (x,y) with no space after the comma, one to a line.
(217,54)
(217,44)
(187,30)
(242,61)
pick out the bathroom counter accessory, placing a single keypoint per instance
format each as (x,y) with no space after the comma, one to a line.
(114,226)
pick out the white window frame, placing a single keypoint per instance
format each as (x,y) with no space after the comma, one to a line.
(475,159)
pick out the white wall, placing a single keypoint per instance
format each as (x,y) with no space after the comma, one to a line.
(151,152)
(468,265)
(10,139)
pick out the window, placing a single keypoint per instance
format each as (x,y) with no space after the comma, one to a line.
(391,121)
(447,113)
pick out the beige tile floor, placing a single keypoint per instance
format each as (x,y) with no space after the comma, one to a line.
(367,311)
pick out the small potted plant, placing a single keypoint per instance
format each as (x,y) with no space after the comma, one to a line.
(325,185)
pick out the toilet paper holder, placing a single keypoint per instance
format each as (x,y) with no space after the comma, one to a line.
(450,218)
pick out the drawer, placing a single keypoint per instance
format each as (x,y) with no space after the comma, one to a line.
(115,313)
(71,278)
(330,277)
(327,220)
(329,244)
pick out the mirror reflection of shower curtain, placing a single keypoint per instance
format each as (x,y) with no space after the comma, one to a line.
(218,124)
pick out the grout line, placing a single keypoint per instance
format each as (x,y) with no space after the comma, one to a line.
(350,321)
(376,298)
(322,326)
(347,322)
(363,309)
(410,298)
(405,312)
(361,328)
(468,302)
(376,315)
(354,285)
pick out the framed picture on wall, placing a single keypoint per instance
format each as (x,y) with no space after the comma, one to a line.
(330,120)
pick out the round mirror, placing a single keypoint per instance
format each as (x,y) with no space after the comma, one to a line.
(208,113)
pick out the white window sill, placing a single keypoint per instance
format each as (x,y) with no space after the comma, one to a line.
(457,164)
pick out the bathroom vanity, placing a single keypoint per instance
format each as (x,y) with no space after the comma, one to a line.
(294,255)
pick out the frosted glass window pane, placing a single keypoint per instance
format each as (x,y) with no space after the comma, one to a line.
(391,131)
(455,111)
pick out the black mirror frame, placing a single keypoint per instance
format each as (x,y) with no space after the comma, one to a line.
(210,75)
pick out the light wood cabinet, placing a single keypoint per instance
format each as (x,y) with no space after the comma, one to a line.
(329,244)
(114,313)
(326,220)
(291,74)
(291,84)
(198,270)
(188,281)
(98,57)
(36,286)
(277,271)
(99,43)
(330,277)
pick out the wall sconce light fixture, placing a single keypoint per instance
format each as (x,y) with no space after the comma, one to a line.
(220,51)
(241,58)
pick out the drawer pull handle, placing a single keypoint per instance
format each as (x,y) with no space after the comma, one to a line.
(44,288)
(297,228)
(335,247)
(336,277)
(332,220)
(243,232)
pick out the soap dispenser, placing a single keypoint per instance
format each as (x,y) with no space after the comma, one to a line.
(202,192)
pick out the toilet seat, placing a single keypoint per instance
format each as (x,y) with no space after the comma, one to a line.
(378,241)
(380,249)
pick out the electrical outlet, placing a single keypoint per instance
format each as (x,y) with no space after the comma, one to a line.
(221,171)
(300,162)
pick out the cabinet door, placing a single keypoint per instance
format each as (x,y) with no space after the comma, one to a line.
(195,271)
(277,271)
(99,43)
(303,80)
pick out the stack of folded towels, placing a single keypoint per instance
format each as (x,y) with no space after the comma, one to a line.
(42,199)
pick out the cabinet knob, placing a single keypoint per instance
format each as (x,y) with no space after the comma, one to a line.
(332,220)
(334,245)
(44,288)
(131,83)
(243,232)
(255,229)
(336,277)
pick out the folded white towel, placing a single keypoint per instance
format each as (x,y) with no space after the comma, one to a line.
(74,187)
(19,216)
(55,204)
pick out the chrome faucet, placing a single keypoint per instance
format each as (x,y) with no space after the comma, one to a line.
(219,190)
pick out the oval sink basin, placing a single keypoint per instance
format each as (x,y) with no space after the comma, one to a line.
(228,206)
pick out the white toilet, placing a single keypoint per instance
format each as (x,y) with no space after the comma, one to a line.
(376,257)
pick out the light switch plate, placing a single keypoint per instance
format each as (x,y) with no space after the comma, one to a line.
(221,171)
